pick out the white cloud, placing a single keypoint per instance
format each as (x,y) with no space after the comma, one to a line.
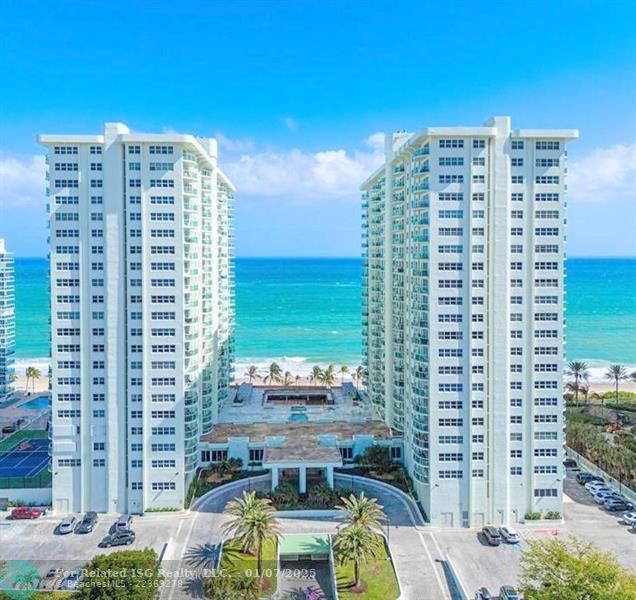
(299,175)
(22,182)
(234,145)
(603,174)
(291,123)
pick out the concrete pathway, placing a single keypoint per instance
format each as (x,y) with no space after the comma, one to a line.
(194,547)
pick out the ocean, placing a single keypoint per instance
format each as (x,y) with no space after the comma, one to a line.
(302,312)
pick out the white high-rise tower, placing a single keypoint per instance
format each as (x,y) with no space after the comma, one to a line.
(463,315)
(141,314)
(7,322)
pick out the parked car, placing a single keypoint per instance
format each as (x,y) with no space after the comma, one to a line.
(67,525)
(594,484)
(72,580)
(483,594)
(614,504)
(124,523)
(585,477)
(600,497)
(507,592)
(569,463)
(88,523)
(629,518)
(52,579)
(26,512)
(491,534)
(118,538)
(510,535)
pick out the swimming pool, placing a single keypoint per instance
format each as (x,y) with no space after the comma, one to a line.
(39,403)
(298,418)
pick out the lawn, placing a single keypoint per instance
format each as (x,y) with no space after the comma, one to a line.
(378,574)
(23,434)
(233,559)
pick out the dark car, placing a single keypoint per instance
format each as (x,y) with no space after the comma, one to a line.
(507,592)
(584,477)
(491,534)
(483,594)
(569,463)
(88,523)
(124,523)
(118,538)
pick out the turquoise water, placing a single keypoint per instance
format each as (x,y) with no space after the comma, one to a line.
(308,310)
(36,404)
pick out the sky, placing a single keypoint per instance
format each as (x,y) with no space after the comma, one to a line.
(298,95)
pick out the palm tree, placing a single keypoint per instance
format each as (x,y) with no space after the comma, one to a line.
(344,369)
(355,544)
(252,522)
(288,379)
(274,374)
(329,376)
(32,374)
(633,377)
(362,511)
(297,379)
(578,370)
(252,372)
(229,586)
(616,373)
(316,374)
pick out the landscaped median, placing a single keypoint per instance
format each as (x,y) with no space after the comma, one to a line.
(377,576)
(234,560)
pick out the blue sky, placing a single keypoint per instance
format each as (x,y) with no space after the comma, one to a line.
(295,91)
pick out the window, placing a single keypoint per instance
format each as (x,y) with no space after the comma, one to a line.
(450,196)
(450,474)
(547,145)
(547,162)
(445,179)
(479,178)
(546,492)
(451,161)
(517,162)
(451,143)
(546,197)
(517,196)
(479,196)
(517,179)
(517,145)
(546,179)
(160,149)
(479,161)
(479,144)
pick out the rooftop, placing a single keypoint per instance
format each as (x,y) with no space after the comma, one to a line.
(302,433)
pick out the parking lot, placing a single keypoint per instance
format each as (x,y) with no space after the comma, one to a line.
(479,565)
(36,541)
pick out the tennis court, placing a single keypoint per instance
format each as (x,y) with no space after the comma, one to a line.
(26,458)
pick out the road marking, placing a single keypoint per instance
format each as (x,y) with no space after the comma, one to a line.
(440,583)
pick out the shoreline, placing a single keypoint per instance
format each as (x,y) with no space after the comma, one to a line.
(301,367)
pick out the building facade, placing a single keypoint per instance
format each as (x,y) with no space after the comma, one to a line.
(7,322)
(463,315)
(141,282)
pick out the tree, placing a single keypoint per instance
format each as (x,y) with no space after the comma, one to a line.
(252,522)
(297,379)
(578,370)
(230,586)
(376,457)
(329,376)
(344,369)
(316,374)
(122,576)
(274,373)
(287,381)
(632,376)
(356,544)
(362,511)
(616,373)
(252,372)
(32,375)
(572,570)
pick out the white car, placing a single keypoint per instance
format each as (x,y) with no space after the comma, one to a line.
(510,535)
(592,485)
(629,518)
(67,525)
(600,497)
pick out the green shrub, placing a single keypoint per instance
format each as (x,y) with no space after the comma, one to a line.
(553,514)
(532,516)
(285,496)
(322,496)
(376,457)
